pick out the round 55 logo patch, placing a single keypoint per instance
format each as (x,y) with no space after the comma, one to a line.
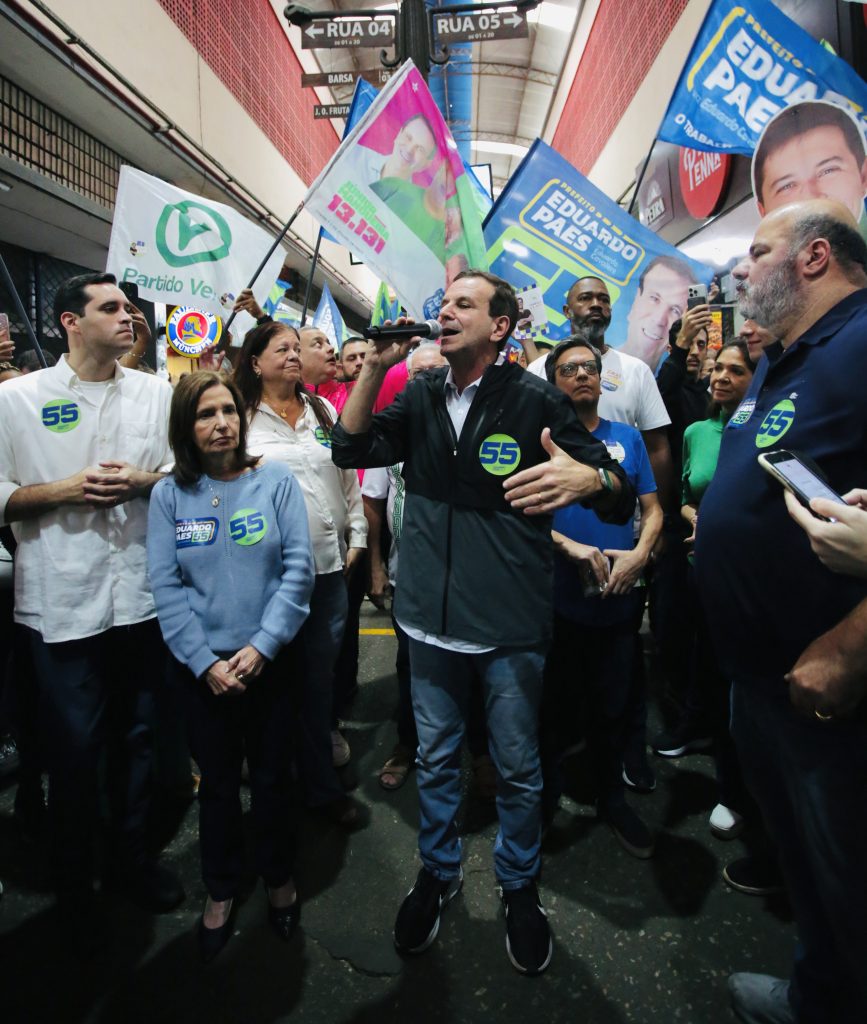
(776,423)
(247,527)
(322,436)
(60,416)
(499,454)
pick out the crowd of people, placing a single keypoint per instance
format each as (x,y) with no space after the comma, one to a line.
(219,538)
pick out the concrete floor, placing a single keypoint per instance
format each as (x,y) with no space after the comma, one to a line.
(638,941)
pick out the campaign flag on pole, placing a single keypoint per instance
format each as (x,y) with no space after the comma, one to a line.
(275,295)
(551,226)
(328,319)
(184,250)
(383,308)
(396,193)
(749,62)
(364,95)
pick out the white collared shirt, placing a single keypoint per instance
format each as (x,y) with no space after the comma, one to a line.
(335,513)
(457,406)
(80,571)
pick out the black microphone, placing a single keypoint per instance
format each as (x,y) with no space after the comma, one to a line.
(403,332)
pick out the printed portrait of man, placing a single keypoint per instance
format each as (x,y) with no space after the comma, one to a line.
(658,303)
(809,151)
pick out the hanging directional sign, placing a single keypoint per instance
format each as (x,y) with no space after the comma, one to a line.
(336,32)
(321,110)
(479,26)
(378,76)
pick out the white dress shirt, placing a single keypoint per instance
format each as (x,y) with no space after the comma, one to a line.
(80,571)
(458,406)
(335,513)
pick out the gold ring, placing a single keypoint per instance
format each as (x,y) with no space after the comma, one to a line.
(821,717)
(240,675)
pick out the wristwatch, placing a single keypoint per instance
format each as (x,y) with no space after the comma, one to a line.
(605,477)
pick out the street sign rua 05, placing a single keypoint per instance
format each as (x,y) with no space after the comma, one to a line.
(477,26)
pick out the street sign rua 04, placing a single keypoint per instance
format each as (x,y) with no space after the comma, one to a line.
(339,32)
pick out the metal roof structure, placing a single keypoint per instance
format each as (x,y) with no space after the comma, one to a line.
(513,81)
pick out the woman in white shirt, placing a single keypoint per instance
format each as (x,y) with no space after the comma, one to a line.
(289,424)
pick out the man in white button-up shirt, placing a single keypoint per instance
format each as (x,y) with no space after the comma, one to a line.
(80,448)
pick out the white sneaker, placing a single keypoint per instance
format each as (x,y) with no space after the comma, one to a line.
(725,823)
(340,752)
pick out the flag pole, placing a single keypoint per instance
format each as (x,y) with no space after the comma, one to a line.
(268,256)
(19,307)
(309,287)
(641,176)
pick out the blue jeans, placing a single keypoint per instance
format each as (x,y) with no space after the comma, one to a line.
(512,682)
(809,779)
(320,638)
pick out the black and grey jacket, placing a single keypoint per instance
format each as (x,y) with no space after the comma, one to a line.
(471,567)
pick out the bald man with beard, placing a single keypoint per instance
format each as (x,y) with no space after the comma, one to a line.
(792,635)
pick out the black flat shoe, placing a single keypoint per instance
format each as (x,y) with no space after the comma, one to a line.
(212,940)
(284,920)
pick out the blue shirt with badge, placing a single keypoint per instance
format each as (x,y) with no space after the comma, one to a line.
(625,444)
(756,572)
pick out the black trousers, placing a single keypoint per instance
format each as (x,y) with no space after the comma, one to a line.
(222,730)
(96,695)
(587,681)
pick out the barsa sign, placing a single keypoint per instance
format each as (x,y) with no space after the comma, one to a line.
(776,85)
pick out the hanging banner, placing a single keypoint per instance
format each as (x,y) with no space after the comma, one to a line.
(396,194)
(181,249)
(551,226)
(749,62)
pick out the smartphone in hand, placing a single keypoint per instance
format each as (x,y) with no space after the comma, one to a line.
(793,472)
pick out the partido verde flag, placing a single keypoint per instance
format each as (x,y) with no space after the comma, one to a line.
(749,62)
(184,250)
(396,193)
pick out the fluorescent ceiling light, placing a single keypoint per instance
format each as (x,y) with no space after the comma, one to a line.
(5,186)
(501,148)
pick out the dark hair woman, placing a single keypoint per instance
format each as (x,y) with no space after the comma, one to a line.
(231,571)
(291,426)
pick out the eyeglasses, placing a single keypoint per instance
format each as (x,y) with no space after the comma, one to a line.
(570,369)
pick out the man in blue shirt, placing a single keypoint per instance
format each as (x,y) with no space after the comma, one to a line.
(793,635)
(598,605)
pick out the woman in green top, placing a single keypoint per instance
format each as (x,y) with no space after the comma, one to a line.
(730,379)
(704,719)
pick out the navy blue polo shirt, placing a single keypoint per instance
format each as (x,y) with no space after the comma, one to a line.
(766,594)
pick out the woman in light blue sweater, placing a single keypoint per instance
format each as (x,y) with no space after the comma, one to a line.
(232,572)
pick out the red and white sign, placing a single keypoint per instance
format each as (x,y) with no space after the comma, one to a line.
(704,178)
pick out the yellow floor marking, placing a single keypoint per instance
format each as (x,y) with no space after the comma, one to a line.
(376,632)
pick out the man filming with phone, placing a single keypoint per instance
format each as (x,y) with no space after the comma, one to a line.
(798,664)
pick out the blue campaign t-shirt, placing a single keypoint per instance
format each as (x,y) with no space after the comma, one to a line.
(625,444)
(756,572)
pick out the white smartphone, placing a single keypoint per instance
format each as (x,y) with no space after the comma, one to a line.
(799,478)
(696,295)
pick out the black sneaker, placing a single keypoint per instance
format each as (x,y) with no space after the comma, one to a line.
(755,876)
(679,742)
(9,759)
(528,937)
(631,832)
(637,773)
(418,919)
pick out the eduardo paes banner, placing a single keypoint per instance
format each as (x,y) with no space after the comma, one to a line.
(551,226)
(184,250)
(749,62)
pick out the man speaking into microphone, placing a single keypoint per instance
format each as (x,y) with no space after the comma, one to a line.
(489,452)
